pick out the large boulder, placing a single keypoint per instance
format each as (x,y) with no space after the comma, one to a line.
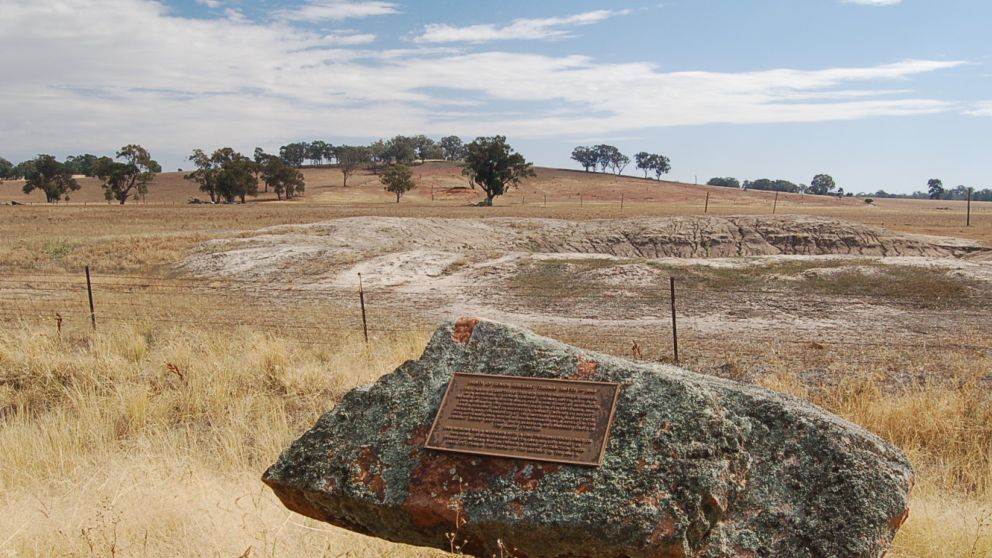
(696,466)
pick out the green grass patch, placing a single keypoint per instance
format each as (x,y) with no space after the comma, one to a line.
(752,276)
(56,250)
(927,287)
(842,277)
(563,278)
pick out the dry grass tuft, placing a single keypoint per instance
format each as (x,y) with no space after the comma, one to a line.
(139,441)
(939,412)
(136,442)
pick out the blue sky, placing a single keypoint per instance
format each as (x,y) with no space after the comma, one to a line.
(878,93)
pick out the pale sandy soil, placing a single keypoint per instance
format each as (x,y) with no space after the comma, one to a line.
(611,275)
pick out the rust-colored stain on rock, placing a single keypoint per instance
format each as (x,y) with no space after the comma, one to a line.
(583,488)
(653,499)
(665,530)
(368,465)
(439,480)
(463,330)
(417,440)
(897,521)
(586,369)
(529,478)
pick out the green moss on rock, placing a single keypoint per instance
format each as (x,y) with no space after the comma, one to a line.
(695,465)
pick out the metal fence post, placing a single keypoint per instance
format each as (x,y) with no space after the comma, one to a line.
(361,299)
(675,327)
(89,290)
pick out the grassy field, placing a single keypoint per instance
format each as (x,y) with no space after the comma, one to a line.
(441,191)
(148,437)
(148,441)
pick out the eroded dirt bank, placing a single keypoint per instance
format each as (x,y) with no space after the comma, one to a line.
(687,237)
(803,275)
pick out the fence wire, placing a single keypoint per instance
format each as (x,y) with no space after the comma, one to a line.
(311,313)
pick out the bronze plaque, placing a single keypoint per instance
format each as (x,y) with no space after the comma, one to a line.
(562,421)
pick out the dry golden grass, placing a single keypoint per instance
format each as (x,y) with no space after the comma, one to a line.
(139,442)
(147,238)
(88,232)
(942,420)
(149,441)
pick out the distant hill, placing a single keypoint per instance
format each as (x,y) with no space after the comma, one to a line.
(443,181)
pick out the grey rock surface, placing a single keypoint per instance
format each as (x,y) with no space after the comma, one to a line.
(696,466)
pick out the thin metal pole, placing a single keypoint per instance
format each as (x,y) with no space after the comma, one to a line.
(775,205)
(706,207)
(89,289)
(361,298)
(675,327)
(968,221)
(621,202)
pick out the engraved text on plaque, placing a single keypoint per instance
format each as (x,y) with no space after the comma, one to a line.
(563,421)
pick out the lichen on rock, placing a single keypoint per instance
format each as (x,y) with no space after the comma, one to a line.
(695,466)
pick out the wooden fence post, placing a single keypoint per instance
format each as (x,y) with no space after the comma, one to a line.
(706,207)
(775,204)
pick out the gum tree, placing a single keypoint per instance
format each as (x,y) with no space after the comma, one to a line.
(131,175)
(397,179)
(53,178)
(352,158)
(491,164)
(6,170)
(452,148)
(586,156)
(225,174)
(284,179)
(822,185)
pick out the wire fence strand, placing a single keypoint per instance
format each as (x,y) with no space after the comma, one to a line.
(638,316)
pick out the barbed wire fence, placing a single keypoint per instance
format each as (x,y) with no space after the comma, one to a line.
(615,199)
(653,322)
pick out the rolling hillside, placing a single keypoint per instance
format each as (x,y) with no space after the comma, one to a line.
(443,182)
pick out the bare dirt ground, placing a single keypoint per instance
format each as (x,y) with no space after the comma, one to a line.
(568,249)
(775,278)
(221,332)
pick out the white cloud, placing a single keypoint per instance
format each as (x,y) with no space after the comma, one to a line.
(873,2)
(347,38)
(544,28)
(234,14)
(103,73)
(335,10)
(982,108)
(209,3)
